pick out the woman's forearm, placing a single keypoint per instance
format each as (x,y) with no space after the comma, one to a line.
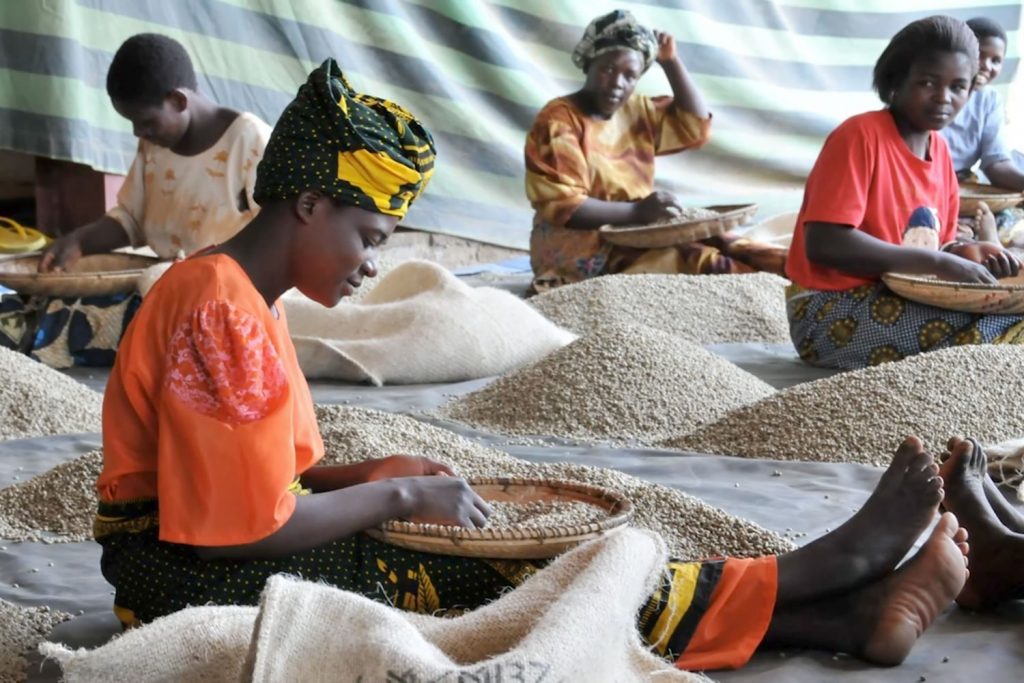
(858,253)
(685,93)
(593,213)
(102,235)
(321,518)
(1004,174)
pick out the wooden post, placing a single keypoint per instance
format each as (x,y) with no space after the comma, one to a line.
(69,195)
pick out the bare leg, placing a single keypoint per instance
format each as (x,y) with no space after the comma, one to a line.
(1012,518)
(903,505)
(881,622)
(997,561)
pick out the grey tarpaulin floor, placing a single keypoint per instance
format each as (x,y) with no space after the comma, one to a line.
(960,647)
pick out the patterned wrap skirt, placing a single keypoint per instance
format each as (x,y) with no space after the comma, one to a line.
(704,615)
(66,332)
(562,256)
(869,325)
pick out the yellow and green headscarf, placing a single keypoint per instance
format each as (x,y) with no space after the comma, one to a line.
(358,149)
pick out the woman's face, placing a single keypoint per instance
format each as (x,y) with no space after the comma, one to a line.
(993,51)
(338,248)
(611,79)
(164,125)
(935,90)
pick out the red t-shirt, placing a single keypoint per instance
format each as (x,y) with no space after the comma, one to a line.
(867,178)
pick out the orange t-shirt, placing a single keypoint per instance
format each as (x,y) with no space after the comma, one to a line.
(206,409)
(867,178)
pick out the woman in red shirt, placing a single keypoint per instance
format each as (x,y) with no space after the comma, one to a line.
(883,197)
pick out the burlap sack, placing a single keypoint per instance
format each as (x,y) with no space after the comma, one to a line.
(206,644)
(420,324)
(574,621)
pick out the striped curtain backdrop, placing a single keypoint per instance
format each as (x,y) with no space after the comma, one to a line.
(779,75)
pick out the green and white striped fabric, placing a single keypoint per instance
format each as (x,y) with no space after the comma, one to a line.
(779,76)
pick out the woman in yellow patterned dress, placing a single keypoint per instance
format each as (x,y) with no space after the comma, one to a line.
(590,162)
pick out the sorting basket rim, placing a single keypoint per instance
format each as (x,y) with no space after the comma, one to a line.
(88,283)
(997,198)
(936,284)
(660,235)
(620,511)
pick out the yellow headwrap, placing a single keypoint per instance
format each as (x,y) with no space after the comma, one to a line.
(359,149)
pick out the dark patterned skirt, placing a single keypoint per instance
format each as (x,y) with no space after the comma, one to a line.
(704,615)
(869,325)
(66,332)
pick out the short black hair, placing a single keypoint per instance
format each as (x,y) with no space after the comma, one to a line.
(147,67)
(918,40)
(984,27)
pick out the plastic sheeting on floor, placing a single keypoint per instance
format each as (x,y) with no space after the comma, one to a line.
(805,497)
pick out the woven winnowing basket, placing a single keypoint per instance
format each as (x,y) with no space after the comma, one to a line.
(1005,297)
(95,275)
(997,198)
(514,543)
(661,235)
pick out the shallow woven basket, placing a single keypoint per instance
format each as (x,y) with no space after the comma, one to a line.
(997,198)
(513,543)
(663,235)
(96,275)
(1005,297)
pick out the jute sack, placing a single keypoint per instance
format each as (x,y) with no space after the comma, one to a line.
(573,621)
(206,644)
(420,324)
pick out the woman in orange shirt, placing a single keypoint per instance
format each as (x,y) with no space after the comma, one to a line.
(210,482)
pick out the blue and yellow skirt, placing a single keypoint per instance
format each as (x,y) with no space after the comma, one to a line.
(870,325)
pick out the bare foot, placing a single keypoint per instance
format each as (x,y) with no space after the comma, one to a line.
(1010,516)
(907,602)
(881,622)
(903,504)
(998,557)
(985,224)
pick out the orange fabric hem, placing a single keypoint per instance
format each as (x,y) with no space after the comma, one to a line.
(737,619)
(229,536)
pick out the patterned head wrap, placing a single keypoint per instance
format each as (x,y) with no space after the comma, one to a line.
(616,30)
(358,149)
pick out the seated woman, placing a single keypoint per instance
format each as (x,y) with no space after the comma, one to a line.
(590,162)
(976,134)
(210,482)
(192,179)
(883,197)
(189,186)
(976,137)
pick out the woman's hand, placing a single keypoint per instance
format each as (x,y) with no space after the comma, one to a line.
(1000,262)
(62,254)
(395,466)
(449,501)
(666,47)
(952,268)
(656,206)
